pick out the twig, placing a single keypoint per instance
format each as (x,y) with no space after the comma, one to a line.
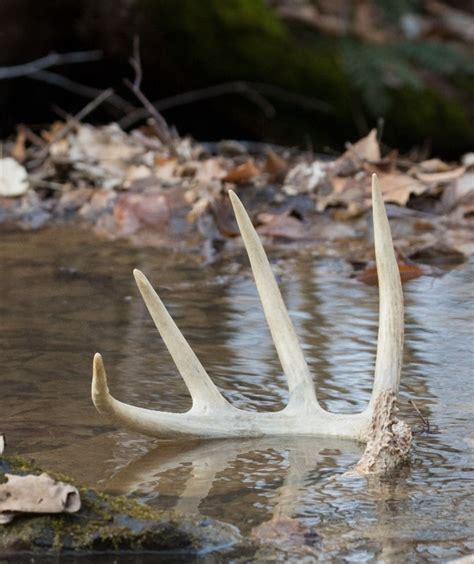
(256,92)
(50,185)
(31,136)
(72,122)
(426,423)
(50,60)
(162,129)
(80,89)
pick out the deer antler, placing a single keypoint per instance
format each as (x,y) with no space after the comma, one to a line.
(211,416)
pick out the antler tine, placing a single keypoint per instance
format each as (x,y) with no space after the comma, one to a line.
(300,383)
(388,363)
(203,391)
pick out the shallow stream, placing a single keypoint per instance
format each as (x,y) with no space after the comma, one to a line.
(65,295)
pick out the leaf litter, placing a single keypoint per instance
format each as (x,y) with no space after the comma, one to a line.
(133,185)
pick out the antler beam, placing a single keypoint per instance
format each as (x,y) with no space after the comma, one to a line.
(211,415)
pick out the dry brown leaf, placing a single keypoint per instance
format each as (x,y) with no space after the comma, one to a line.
(441,177)
(208,171)
(282,225)
(398,187)
(49,134)
(36,494)
(166,170)
(135,211)
(347,192)
(19,150)
(366,149)
(459,193)
(407,272)
(434,165)
(304,178)
(275,165)
(242,173)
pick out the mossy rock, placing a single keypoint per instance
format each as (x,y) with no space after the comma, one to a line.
(107,524)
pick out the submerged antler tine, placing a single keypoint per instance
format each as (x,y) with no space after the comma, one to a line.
(300,383)
(388,363)
(203,391)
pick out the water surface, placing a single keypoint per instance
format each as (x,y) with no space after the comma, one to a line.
(66,295)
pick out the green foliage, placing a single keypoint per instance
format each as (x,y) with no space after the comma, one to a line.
(376,71)
(393,10)
(215,41)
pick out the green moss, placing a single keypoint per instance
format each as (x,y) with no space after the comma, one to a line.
(104,523)
(215,41)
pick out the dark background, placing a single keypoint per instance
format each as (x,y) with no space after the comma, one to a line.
(310,73)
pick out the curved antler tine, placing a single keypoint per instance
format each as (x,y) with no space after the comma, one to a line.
(300,383)
(203,391)
(147,421)
(388,363)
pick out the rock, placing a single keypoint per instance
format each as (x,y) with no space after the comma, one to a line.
(107,524)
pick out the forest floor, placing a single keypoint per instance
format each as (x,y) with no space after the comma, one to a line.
(174,194)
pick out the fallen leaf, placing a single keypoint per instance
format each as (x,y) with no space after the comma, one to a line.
(366,149)
(407,272)
(398,188)
(434,165)
(13,178)
(166,169)
(275,165)
(242,173)
(72,200)
(346,191)
(208,171)
(135,211)
(49,134)
(282,225)
(19,150)
(441,177)
(36,494)
(460,192)
(101,202)
(304,178)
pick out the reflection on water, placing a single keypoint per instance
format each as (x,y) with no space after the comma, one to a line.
(65,296)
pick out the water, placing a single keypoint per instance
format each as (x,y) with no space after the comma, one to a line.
(65,295)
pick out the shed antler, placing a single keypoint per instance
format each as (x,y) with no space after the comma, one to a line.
(211,416)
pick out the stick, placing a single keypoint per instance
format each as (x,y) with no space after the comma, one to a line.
(162,129)
(51,60)
(80,89)
(257,92)
(425,421)
(73,121)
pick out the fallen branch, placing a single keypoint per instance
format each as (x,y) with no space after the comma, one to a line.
(161,127)
(256,92)
(80,89)
(51,60)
